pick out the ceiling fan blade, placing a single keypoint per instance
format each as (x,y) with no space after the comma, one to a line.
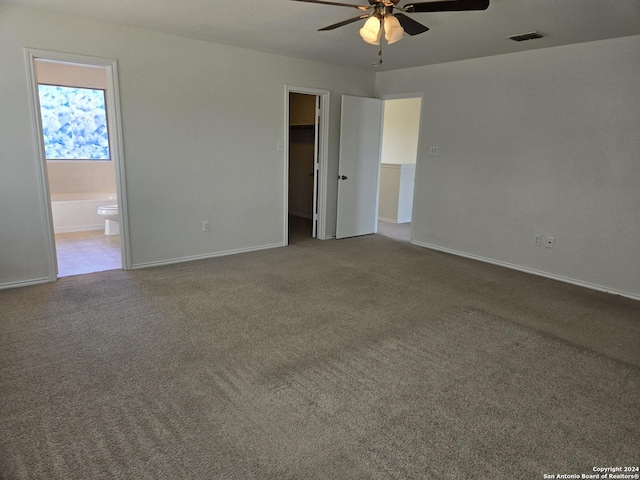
(411,27)
(343,23)
(447,6)
(322,2)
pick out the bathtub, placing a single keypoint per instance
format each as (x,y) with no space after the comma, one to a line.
(76,212)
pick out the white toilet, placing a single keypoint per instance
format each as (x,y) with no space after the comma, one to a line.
(110,215)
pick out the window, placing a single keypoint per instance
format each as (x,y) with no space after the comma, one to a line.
(74,123)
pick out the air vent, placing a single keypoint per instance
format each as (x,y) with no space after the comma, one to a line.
(525,36)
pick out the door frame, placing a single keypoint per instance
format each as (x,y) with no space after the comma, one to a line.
(114,125)
(401,96)
(323,156)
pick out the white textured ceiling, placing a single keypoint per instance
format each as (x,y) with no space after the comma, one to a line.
(290,28)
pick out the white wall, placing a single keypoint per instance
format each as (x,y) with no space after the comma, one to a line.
(401,123)
(395,202)
(81,176)
(545,141)
(200,125)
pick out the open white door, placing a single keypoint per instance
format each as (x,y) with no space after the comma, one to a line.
(360,131)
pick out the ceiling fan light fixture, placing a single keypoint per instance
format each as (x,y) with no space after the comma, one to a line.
(382,19)
(393,31)
(371,32)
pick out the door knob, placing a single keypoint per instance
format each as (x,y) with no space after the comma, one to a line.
(311,174)
(343,177)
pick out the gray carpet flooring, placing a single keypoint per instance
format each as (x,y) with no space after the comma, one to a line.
(398,231)
(363,358)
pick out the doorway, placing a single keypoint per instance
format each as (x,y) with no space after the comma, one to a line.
(77,130)
(365,200)
(398,156)
(306,144)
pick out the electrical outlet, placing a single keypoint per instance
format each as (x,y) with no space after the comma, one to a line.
(537,239)
(433,150)
(549,242)
(205,226)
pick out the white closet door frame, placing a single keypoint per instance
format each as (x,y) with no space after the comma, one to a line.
(322,160)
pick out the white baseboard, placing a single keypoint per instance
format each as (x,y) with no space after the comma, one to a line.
(397,220)
(531,271)
(81,228)
(171,261)
(38,281)
(26,283)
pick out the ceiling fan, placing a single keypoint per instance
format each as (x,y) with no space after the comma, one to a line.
(395,25)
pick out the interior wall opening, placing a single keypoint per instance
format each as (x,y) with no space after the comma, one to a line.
(303,165)
(399,151)
(80,170)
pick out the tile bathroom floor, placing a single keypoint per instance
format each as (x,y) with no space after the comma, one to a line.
(87,252)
